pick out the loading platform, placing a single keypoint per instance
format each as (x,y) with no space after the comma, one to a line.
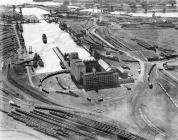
(60,56)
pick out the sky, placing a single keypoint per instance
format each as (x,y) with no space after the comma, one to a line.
(17,2)
(14,2)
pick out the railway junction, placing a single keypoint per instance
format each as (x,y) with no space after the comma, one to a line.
(75,75)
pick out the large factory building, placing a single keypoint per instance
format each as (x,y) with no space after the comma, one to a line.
(99,80)
(91,75)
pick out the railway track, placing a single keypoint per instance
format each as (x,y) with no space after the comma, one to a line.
(144,44)
(53,74)
(91,124)
(59,83)
(168,95)
(8,42)
(30,90)
(12,96)
(63,124)
(50,124)
(119,43)
(122,44)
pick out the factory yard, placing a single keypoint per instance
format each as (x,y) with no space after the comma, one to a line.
(87,75)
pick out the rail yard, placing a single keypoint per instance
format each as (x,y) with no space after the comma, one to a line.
(72,73)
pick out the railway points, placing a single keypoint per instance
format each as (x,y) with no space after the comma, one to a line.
(92,74)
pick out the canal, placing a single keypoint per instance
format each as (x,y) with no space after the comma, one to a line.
(55,38)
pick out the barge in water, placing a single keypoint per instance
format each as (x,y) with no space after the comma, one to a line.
(44,38)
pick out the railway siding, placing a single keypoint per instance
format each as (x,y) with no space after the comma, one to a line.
(63,124)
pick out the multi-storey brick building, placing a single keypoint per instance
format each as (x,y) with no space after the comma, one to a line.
(100,80)
(92,76)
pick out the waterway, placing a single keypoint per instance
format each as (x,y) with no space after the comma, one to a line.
(55,38)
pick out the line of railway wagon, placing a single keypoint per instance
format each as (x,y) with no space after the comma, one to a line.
(8,42)
(63,124)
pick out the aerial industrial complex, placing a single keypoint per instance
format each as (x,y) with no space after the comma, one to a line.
(89,70)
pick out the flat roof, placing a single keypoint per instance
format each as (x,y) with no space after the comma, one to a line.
(78,62)
(104,65)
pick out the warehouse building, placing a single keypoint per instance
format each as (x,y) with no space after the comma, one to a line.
(99,80)
(92,76)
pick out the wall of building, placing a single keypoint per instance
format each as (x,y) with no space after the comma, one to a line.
(92,64)
(93,76)
(77,67)
(126,81)
(100,80)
